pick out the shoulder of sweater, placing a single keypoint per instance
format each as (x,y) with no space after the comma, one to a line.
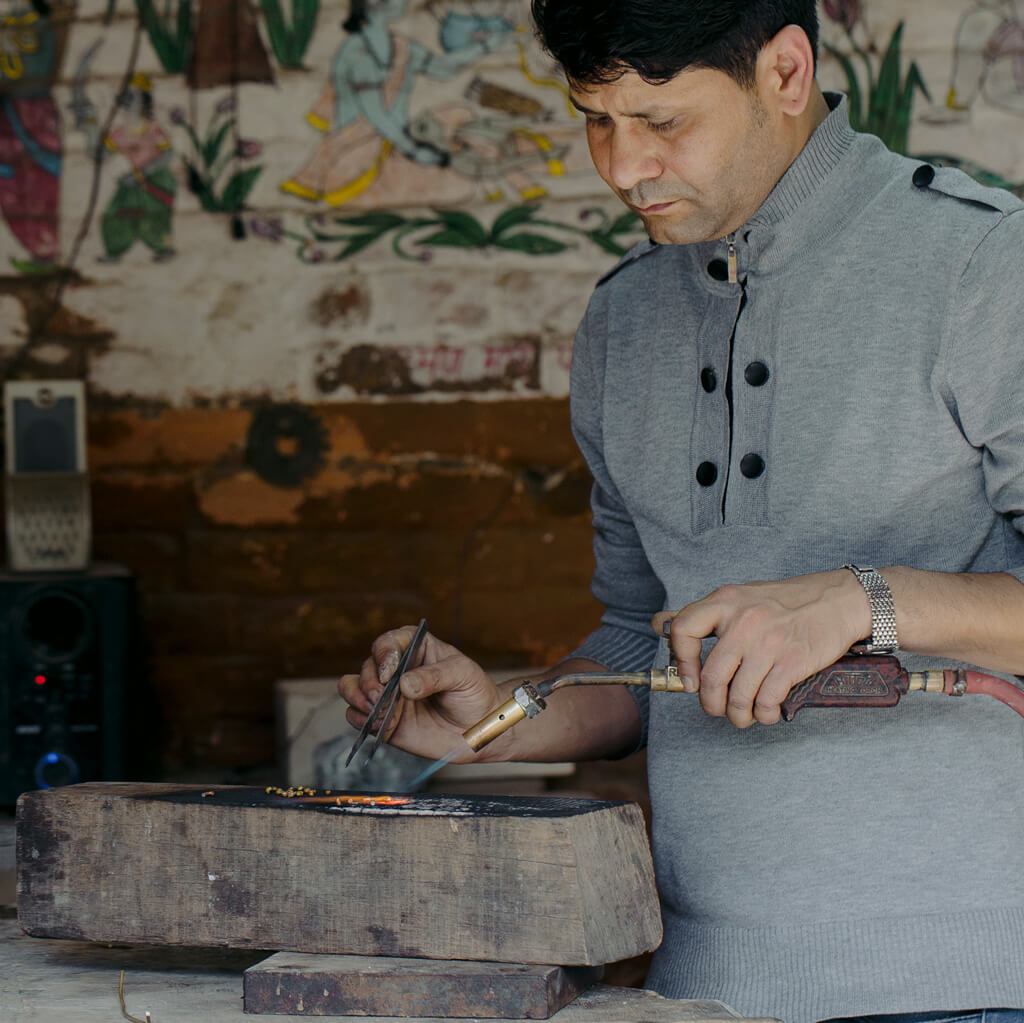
(953,183)
(638,251)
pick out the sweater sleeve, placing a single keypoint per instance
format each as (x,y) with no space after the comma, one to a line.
(623,581)
(985,353)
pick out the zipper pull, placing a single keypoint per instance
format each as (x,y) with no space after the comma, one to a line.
(734,275)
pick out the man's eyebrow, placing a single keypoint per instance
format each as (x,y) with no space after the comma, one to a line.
(582,109)
(658,113)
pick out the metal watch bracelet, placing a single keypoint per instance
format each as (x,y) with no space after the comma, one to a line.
(883,612)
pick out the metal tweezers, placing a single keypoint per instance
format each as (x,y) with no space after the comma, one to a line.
(384,709)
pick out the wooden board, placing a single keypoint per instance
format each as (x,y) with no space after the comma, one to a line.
(506,879)
(76,982)
(295,984)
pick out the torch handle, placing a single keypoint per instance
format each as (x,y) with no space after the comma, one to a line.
(871,681)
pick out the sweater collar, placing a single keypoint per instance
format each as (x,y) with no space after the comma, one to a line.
(808,205)
(826,147)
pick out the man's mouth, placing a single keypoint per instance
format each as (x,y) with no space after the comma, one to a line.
(654,207)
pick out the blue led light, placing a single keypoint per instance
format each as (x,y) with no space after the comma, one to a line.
(52,758)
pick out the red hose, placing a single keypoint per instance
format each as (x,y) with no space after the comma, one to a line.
(976,682)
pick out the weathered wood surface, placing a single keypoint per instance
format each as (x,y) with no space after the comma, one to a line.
(49,981)
(297,984)
(505,879)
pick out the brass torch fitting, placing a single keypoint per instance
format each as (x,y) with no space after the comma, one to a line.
(525,702)
(933,681)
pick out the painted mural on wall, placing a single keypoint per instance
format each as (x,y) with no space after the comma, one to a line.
(32,43)
(883,88)
(243,163)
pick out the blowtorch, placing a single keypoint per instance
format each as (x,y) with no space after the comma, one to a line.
(854,681)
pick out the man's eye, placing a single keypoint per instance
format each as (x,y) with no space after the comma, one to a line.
(598,122)
(665,126)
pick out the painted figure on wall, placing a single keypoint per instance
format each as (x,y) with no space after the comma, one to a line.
(142,207)
(989,59)
(364,111)
(32,40)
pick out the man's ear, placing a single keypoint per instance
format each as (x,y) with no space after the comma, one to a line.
(785,71)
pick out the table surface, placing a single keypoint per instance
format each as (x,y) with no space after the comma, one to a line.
(42,981)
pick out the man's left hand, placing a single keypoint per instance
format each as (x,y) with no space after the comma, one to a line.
(771,636)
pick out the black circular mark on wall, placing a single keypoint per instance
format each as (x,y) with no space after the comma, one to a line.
(286,444)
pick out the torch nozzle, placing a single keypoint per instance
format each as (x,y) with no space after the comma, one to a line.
(525,702)
(528,700)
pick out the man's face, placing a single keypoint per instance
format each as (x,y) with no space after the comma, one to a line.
(695,157)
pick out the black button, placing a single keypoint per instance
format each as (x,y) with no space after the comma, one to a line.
(708,379)
(924,175)
(707,474)
(756,374)
(719,269)
(752,466)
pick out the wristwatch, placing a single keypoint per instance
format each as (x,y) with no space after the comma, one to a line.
(883,612)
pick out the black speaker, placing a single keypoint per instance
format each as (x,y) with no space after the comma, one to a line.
(67,643)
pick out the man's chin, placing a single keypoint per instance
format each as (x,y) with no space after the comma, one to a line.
(672,231)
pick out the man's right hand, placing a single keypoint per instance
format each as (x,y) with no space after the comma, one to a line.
(443,694)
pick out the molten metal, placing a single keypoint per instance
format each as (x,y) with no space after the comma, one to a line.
(350,800)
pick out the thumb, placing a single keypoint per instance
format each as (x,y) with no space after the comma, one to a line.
(659,621)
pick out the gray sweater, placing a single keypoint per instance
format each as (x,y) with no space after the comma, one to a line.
(850,862)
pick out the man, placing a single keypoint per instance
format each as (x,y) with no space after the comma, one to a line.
(815,361)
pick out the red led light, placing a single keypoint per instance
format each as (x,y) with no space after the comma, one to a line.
(40,680)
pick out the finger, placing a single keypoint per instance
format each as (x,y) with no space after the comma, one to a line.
(387,650)
(355,719)
(396,720)
(369,680)
(453,673)
(775,688)
(716,676)
(352,693)
(744,688)
(690,684)
(690,627)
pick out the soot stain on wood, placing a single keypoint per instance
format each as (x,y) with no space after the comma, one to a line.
(231,898)
(386,939)
(38,843)
(469,809)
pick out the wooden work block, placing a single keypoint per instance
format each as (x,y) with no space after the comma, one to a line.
(294,984)
(493,878)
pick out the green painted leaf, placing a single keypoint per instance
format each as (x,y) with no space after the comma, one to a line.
(512,217)
(854,95)
(379,221)
(356,244)
(886,95)
(450,238)
(211,147)
(183,42)
(201,188)
(531,244)
(237,190)
(277,30)
(606,242)
(627,222)
(463,223)
(304,24)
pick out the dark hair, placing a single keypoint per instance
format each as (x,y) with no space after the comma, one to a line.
(357,16)
(596,41)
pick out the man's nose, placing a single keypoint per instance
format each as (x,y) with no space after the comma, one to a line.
(630,161)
